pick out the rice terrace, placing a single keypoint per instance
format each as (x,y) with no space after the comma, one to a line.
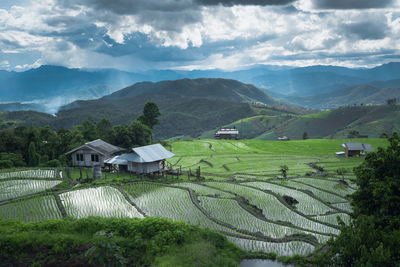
(235,187)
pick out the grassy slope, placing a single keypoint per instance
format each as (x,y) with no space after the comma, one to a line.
(263,157)
(368,120)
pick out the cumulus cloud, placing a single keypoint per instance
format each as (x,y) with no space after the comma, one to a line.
(231,34)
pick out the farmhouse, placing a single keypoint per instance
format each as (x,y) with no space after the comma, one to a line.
(283,138)
(356,148)
(93,153)
(227,133)
(145,159)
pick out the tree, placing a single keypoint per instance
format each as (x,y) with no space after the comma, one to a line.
(373,237)
(353,134)
(378,180)
(391,101)
(33,157)
(341,171)
(305,135)
(284,169)
(140,133)
(150,114)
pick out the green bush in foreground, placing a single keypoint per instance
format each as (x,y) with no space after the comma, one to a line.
(113,242)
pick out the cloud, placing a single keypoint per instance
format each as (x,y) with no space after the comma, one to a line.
(352,4)
(245,2)
(365,30)
(183,34)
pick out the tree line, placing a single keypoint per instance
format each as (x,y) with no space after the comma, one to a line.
(31,146)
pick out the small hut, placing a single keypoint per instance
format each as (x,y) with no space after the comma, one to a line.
(283,138)
(227,133)
(356,148)
(93,153)
(145,159)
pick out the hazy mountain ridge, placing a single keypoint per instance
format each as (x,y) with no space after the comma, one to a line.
(365,94)
(52,86)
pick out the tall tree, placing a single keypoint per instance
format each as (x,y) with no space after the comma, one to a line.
(373,237)
(33,157)
(150,115)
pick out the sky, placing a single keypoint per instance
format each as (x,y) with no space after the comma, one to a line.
(138,35)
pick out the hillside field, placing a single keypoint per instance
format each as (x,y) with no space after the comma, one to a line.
(241,193)
(335,123)
(264,158)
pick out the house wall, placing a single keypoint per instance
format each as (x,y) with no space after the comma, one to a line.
(147,167)
(87,159)
(226,136)
(352,152)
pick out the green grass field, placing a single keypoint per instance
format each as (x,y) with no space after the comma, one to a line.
(264,158)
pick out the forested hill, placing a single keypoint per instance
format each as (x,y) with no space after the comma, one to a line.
(367,94)
(188,107)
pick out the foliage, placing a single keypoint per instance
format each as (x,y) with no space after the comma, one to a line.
(33,146)
(6,164)
(341,171)
(105,251)
(133,242)
(353,134)
(305,136)
(150,114)
(391,101)
(373,237)
(33,157)
(378,179)
(53,163)
(283,170)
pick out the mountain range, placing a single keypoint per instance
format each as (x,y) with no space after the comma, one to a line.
(50,87)
(196,107)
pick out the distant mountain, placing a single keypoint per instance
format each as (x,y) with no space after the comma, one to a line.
(21,106)
(365,94)
(223,89)
(188,107)
(52,86)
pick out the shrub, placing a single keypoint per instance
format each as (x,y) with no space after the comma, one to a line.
(6,164)
(53,163)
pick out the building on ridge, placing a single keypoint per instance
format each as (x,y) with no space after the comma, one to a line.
(356,148)
(227,133)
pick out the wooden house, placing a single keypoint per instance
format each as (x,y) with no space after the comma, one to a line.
(227,133)
(283,138)
(356,148)
(93,153)
(145,159)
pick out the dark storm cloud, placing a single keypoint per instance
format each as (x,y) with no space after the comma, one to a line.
(245,2)
(129,7)
(366,30)
(352,4)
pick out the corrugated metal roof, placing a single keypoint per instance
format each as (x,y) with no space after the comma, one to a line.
(149,153)
(117,160)
(228,132)
(368,148)
(358,146)
(353,146)
(99,146)
(152,153)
